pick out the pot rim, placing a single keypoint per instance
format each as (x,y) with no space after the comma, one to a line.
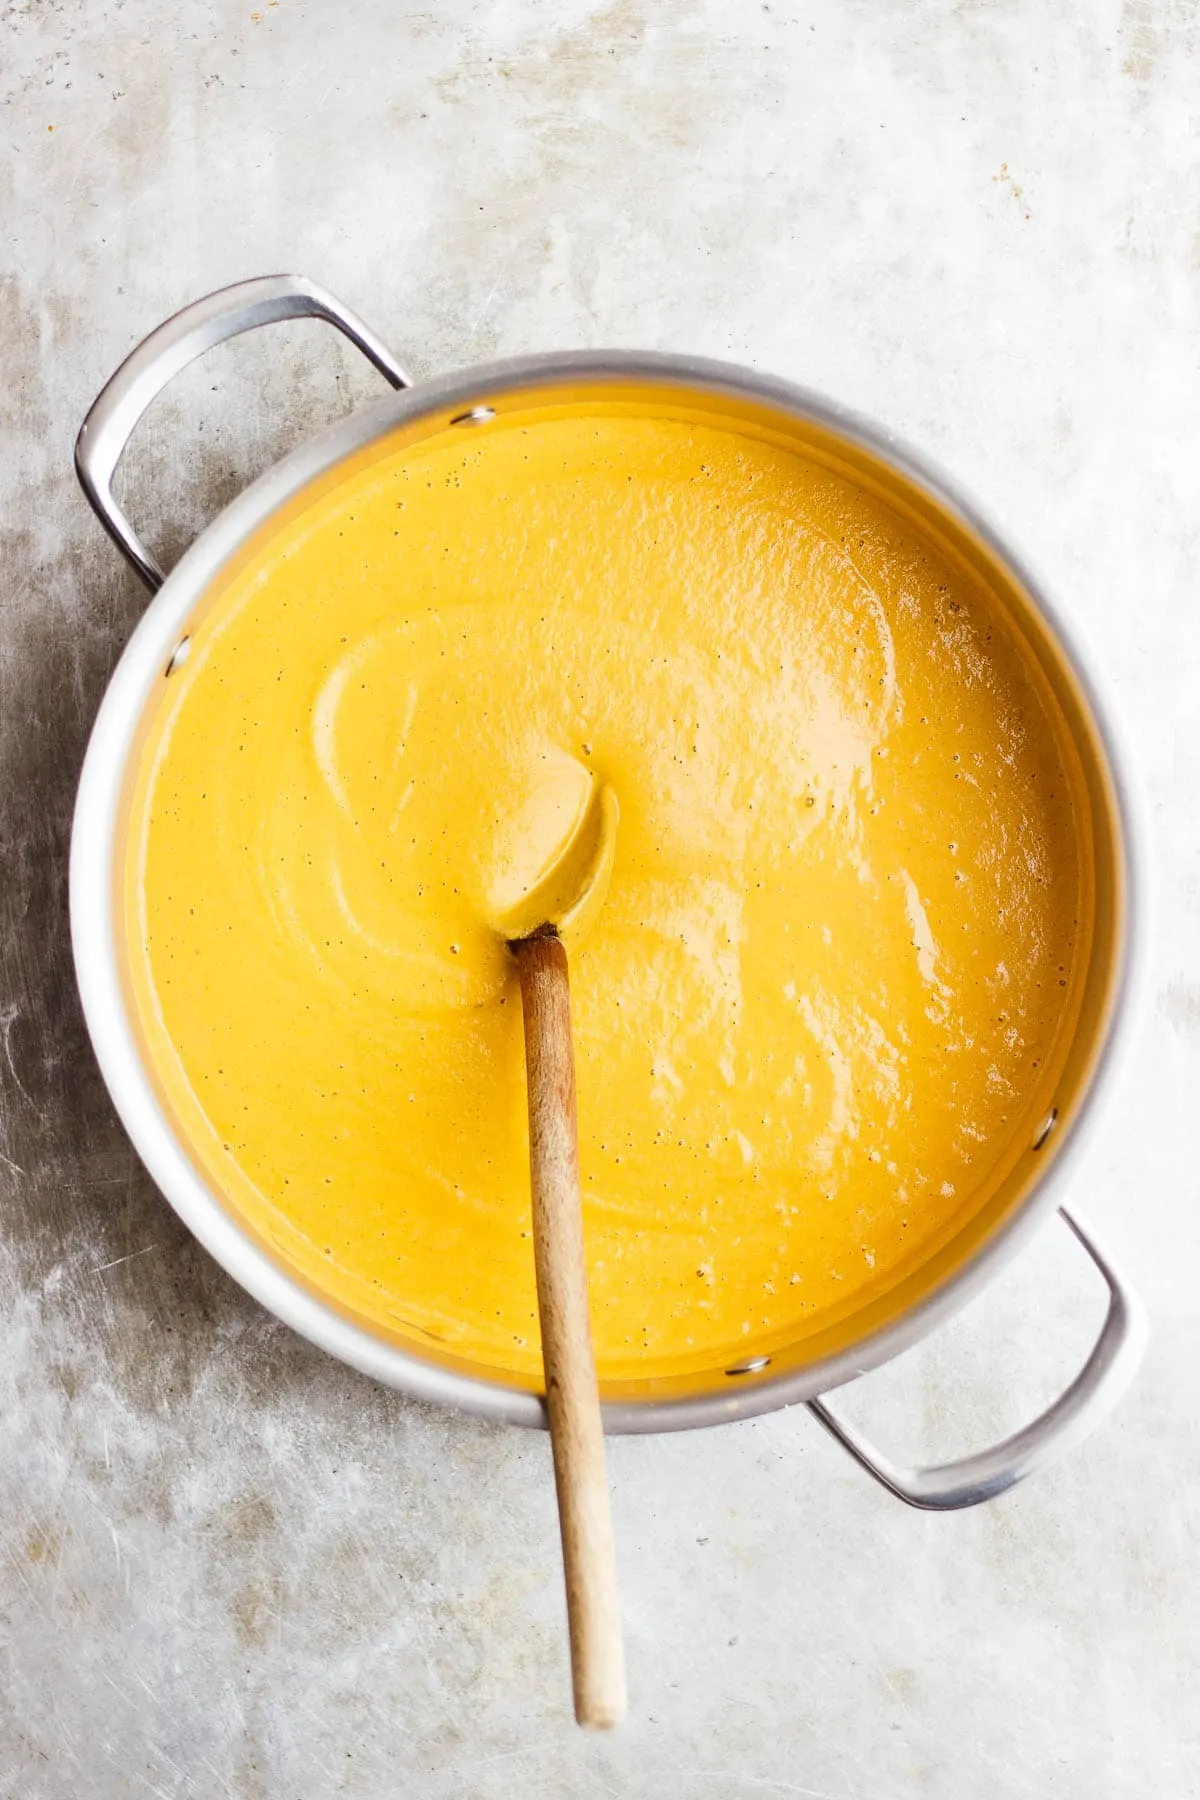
(94,921)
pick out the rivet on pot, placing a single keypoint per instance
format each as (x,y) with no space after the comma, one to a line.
(1045,1128)
(179,655)
(478,415)
(751,1366)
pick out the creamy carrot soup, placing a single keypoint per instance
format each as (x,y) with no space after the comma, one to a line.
(837,965)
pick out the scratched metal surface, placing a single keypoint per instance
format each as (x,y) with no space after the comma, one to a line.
(228,1566)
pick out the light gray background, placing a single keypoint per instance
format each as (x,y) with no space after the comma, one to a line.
(229,1567)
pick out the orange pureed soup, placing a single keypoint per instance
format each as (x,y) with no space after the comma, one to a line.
(838,965)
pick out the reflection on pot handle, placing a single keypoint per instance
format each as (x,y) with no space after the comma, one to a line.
(1098,1386)
(177,342)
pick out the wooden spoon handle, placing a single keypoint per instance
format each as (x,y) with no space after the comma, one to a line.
(572,1401)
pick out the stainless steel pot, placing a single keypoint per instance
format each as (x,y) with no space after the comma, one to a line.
(890,1324)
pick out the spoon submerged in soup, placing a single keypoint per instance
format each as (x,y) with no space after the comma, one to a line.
(551,883)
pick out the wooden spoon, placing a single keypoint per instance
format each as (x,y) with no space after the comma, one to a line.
(558,902)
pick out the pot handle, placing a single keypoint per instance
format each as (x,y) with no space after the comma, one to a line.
(178,341)
(1065,1423)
